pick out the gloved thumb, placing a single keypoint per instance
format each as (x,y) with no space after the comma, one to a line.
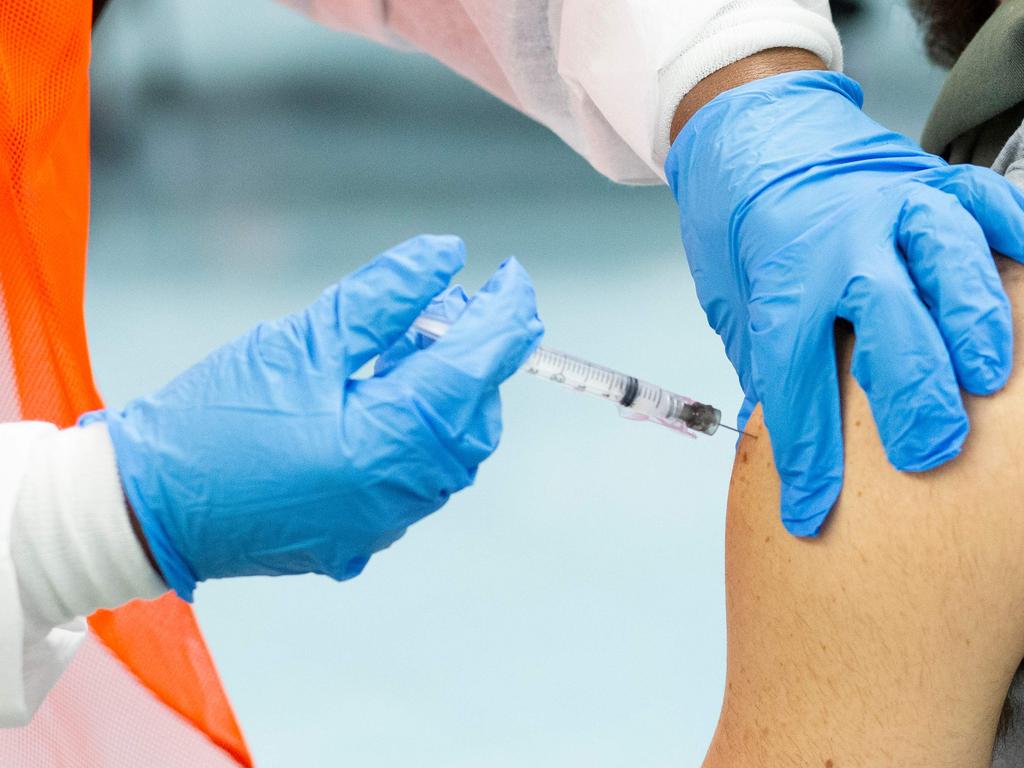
(367,312)
(492,338)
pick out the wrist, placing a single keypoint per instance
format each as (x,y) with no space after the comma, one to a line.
(760,65)
(145,499)
(140,536)
(796,118)
(72,542)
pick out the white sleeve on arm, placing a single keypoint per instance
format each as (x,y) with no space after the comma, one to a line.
(66,548)
(605,75)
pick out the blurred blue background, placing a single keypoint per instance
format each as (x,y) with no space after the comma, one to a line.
(569,609)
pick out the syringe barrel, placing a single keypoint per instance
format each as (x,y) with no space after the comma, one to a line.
(640,398)
(579,374)
(635,397)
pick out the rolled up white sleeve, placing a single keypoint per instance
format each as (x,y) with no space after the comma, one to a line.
(66,549)
(605,75)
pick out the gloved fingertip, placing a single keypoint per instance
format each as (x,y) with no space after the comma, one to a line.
(998,377)
(449,251)
(510,271)
(921,453)
(986,379)
(419,261)
(352,568)
(804,529)
(512,291)
(805,510)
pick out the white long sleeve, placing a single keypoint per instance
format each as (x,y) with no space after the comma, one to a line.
(66,549)
(605,75)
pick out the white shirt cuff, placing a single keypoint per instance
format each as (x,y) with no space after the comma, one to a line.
(72,541)
(734,34)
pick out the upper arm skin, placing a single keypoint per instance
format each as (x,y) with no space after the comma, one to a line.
(889,640)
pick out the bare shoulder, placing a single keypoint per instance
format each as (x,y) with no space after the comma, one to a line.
(891,638)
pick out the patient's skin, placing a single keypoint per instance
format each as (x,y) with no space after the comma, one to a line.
(890,640)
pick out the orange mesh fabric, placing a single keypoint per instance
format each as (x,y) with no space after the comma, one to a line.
(45,374)
(44,202)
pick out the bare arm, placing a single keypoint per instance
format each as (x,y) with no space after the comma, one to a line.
(891,639)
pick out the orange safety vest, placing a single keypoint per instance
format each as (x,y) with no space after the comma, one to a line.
(147,693)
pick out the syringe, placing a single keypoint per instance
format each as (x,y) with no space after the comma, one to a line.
(637,399)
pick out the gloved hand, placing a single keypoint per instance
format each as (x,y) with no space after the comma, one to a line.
(797,209)
(447,306)
(268,458)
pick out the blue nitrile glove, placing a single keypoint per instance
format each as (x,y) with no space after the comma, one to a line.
(268,458)
(447,306)
(797,209)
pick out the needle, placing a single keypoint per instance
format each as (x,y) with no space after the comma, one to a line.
(738,431)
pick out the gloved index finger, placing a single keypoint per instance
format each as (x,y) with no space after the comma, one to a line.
(794,370)
(365,313)
(994,202)
(492,338)
(950,263)
(901,362)
(446,307)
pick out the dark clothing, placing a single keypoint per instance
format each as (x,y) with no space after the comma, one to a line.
(982,102)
